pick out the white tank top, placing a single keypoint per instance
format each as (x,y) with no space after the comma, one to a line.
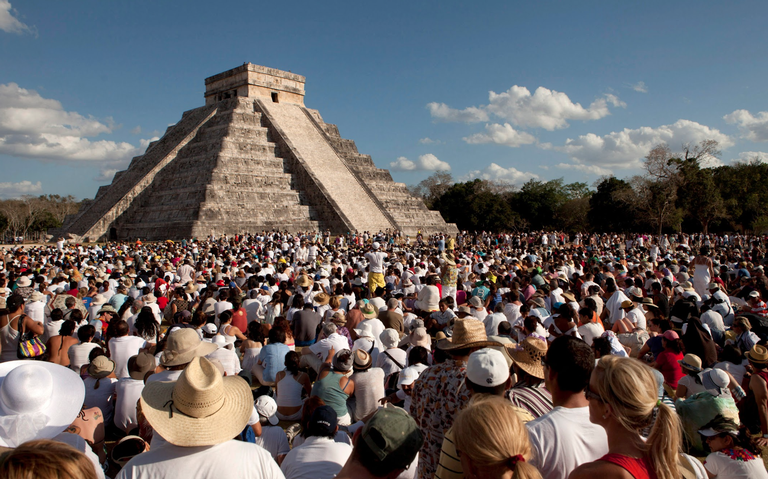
(289,391)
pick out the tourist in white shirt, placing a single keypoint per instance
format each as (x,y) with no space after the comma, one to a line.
(227,356)
(78,353)
(150,301)
(122,347)
(319,456)
(564,438)
(128,390)
(269,435)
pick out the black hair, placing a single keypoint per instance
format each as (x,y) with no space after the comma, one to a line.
(602,346)
(85,333)
(67,328)
(57,315)
(276,335)
(505,329)
(573,361)
(255,332)
(418,355)
(146,324)
(291,362)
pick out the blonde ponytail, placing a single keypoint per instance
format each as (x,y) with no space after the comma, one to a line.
(523,470)
(629,387)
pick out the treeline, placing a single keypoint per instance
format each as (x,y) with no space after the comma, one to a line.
(30,214)
(676,192)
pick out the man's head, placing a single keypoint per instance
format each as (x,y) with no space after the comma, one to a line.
(568,365)
(323,423)
(487,372)
(388,442)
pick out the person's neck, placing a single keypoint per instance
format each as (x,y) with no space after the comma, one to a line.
(624,442)
(568,399)
(353,470)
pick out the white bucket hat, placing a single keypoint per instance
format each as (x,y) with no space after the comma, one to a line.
(38,400)
(202,408)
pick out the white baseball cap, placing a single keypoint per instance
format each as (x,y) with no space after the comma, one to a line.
(267,408)
(375,245)
(407,376)
(210,328)
(487,367)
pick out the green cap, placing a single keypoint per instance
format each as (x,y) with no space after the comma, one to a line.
(392,437)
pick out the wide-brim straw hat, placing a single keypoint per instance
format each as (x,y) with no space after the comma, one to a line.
(569,296)
(202,408)
(183,346)
(303,281)
(528,355)
(691,362)
(149,298)
(23,282)
(467,333)
(758,354)
(362,360)
(99,299)
(627,304)
(101,367)
(190,288)
(322,298)
(51,393)
(369,311)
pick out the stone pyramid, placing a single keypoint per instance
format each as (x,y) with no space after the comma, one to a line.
(253,158)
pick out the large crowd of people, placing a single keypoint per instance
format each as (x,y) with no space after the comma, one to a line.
(475,355)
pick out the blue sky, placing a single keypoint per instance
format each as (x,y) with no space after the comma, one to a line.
(579,89)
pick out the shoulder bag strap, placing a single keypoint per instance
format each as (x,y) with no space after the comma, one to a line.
(394,360)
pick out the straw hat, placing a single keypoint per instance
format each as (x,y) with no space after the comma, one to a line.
(190,288)
(38,400)
(183,346)
(322,298)
(528,355)
(467,333)
(23,282)
(687,286)
(758,354)
(691,362)
(418,337)
(303,281)
(568,296)
(202,408)
(627,304)
(149,298)
(101,367)
(362,359)
(369,311)
(98,299)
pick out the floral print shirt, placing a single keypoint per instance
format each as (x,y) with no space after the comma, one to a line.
(438,396)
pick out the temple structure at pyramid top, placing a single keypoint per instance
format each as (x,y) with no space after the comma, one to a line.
(253,158)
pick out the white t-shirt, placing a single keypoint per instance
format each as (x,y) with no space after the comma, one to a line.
(229,360)
(102,397)
(78,355)
(317,458)
(590,331)
(128,392)
(721,465)
(335,340)
(492,322)
(564,439)
(274,440)
(228,459)
(121,349)
(376,261)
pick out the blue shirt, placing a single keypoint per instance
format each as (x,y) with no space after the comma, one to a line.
(272,357)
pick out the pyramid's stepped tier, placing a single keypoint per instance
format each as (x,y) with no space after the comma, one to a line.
(229,179)
(99,216)
(408,212)
(327,171)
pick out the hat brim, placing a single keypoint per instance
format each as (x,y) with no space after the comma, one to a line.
(690,367)
(181,430)
(66,400)
(370,315)
(523,362)
(756,360)
(203,349)
(447,344)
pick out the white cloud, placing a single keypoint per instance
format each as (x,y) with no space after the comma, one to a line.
(35,127)
(625,149)
(497,173)
(136,130)
(501,135)
(545,108)
(15,190)
(749,156)
(428,162)
(8,22)
(591,169)
(640,87)
(752,127)
(442,112)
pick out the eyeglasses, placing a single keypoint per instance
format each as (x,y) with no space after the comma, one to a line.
(593,395)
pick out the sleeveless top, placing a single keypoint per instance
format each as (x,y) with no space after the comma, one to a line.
(329,391)
(639,468)
(9,341)
(224,331)
(250,358)
(289,391)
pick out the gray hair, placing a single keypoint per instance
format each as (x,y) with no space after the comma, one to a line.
(328,329)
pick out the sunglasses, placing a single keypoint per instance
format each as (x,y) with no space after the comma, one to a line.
(593,395)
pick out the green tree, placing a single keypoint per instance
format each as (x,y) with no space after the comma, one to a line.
(608,206)
(473,206)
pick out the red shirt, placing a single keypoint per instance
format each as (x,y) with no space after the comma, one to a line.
(240,320)
(667,363)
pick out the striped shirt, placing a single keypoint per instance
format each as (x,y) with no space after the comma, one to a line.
(537,400)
